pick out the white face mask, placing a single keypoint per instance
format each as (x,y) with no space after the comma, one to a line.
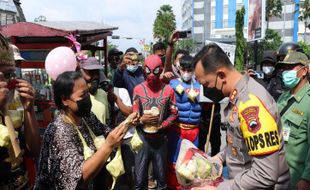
(186,76)
(268,70)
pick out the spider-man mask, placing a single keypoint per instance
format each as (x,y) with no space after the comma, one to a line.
(153,69)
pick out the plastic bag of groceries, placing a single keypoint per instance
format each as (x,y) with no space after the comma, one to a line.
(195,168)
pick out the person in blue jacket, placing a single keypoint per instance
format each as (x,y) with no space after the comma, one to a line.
(187,91)
(129,73)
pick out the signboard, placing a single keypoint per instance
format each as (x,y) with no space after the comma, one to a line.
(256,20)
(227,48)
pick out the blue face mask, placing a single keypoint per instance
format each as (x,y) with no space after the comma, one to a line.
(132,68)
(290,78)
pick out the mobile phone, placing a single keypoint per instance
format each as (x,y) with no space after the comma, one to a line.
(12,84)
(184,34)
(259,75)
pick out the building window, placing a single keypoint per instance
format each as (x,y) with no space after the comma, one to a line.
(212,10)
(213,24)
(225,11)
(225,23)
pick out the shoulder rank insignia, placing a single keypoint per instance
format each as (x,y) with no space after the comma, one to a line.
(233,95)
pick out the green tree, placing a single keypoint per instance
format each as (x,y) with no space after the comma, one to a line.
(40,18)
(240,40)
(305,14)
(186,44)
(111,45)
(305,47)
(164,23)
(272,40)
(273,8)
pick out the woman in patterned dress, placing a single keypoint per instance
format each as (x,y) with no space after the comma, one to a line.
(69,158)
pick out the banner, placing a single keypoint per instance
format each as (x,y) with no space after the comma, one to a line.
(227,48)
(256,20)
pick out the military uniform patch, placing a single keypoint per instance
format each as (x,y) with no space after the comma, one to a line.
(250,116)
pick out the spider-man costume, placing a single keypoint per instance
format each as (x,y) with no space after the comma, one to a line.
(186,126)
(153,93)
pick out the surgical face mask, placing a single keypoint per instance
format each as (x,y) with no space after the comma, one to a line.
(268,70)
(186,76)
(290,78)
(213,93)
(84,107)
(132,68)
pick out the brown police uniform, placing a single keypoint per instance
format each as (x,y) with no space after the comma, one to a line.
(255,150)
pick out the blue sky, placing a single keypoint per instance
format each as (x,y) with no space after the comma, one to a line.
(134,18)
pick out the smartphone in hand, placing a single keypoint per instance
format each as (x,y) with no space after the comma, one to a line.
(184,34)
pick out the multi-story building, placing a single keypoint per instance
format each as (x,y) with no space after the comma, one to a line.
(11,12)
(215,20)
(196,17)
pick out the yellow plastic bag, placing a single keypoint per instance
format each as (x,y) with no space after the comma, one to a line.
(136,143)
(116,166)
(4,136)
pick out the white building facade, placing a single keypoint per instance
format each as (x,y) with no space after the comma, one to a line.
(215,20)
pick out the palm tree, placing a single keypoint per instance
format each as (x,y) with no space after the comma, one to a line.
(164,23)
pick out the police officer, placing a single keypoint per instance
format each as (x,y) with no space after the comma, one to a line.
(255,150)
(295,116)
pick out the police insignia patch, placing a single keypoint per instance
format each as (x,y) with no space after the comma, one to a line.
(250,115)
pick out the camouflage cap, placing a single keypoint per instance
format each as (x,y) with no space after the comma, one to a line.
(6,53)
(295,58)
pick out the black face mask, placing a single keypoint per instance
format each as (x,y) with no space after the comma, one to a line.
(84,107)
(213,93)
(94,85)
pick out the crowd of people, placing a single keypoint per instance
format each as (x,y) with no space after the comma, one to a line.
(266,120)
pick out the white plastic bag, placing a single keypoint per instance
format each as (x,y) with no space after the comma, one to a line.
(195,168)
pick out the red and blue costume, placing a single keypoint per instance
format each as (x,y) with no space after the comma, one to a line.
(186,126)
(153,93)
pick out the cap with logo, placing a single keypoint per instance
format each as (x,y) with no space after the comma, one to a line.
(293,58)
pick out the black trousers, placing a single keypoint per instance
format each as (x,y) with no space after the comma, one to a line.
(215,138)
(154,150)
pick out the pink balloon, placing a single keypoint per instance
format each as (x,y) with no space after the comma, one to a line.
(60,60)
